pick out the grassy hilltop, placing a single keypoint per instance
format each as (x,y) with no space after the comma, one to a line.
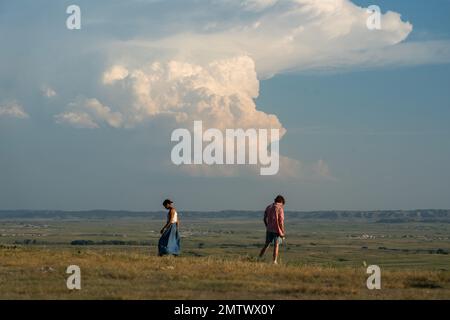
(324,256)
(38,273)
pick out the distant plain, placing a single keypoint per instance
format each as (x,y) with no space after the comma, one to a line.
(325,255)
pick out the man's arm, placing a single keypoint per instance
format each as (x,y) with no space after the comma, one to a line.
(281,222)
(265,218)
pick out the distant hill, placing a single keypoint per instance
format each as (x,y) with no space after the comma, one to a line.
(385,216)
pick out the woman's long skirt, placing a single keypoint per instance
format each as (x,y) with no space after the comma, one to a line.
(169,243)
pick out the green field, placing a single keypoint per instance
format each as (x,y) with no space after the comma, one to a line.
(323,257)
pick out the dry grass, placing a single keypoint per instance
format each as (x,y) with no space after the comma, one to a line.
(39,273)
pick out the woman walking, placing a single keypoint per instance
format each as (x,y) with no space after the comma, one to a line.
(169,243)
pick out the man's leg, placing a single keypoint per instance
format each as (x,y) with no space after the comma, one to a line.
(263,250)
(266,245)
(275,252)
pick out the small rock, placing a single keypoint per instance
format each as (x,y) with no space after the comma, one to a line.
(47,269)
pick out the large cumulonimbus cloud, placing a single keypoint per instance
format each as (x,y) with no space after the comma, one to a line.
(208,67)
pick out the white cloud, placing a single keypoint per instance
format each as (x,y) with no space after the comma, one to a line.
(13,109)
(290,170)
(48,91)
(293,169)
(285,36)
(76,119)
(322,170)
(220,93)
(88,113)
(117,72)
(103,113)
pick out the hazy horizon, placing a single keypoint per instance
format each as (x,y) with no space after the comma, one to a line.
(231,210)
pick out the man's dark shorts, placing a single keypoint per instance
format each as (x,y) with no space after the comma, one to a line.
(273,237)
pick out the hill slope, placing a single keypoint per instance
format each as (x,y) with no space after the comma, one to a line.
(39,273)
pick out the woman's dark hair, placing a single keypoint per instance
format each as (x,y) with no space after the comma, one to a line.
(279,199)
(166,202)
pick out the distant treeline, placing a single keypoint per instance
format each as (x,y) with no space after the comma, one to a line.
(86,242)
(109,243)
(385,216)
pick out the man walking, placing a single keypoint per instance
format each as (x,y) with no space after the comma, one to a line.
(274,221)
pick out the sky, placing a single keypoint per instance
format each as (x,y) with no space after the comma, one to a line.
(86,115)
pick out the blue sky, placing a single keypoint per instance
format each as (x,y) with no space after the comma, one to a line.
(366,114)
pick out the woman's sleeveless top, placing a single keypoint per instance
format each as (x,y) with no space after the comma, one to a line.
(174,218)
